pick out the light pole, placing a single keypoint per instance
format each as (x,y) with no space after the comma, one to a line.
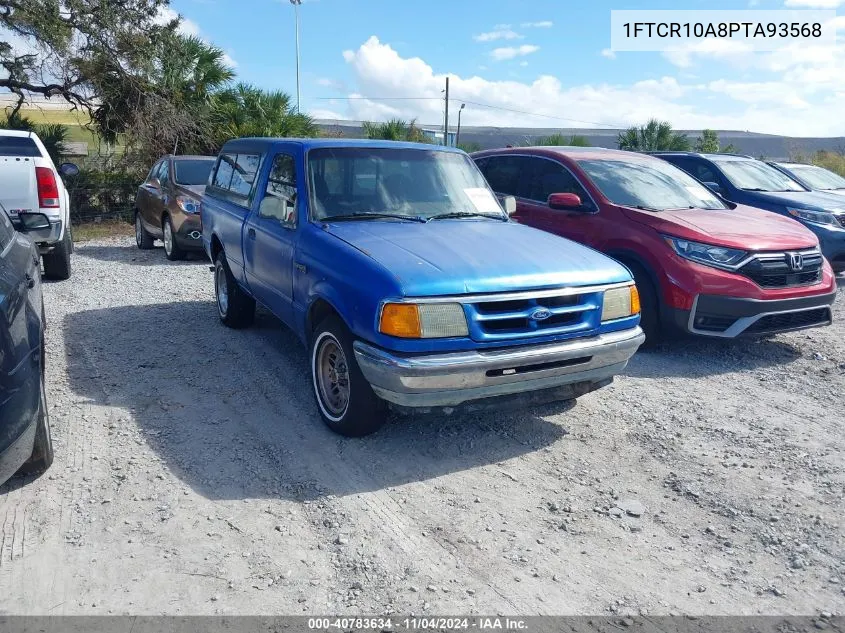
(296,4)
(458,133)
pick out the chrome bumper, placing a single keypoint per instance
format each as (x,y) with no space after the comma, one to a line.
(450,379)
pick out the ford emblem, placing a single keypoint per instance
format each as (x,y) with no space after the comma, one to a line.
(540,314)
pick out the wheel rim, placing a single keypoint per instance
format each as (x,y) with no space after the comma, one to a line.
(332,375)
(221,290)
(168,237)
(138,229)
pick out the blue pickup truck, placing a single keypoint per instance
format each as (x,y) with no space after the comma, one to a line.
(406,279)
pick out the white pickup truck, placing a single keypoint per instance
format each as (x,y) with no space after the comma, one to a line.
(30,183)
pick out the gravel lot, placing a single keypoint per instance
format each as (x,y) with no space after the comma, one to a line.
(194,476)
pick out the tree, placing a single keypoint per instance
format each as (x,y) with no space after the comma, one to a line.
(708,142)
(653,136)
(65,48)
(394,130)
(245,110)
(561,140)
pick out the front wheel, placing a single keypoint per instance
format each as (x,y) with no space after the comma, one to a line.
(235,307)
(143,240)
(345,399)
(42,450)
(171,248)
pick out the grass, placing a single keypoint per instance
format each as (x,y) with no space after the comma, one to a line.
(100,230)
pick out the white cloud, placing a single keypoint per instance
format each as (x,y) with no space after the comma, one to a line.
(606,52)
(509,52)
(814,4)
(377,69)
(545,24)
(523,64)
(186,26)
(501,34)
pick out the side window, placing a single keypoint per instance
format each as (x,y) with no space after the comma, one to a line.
(506,175)
(705,173)
(153,172)
(279,200)
(684,163)
(224,171)
(235,174)
(164,173)
(7,231)
(549,177)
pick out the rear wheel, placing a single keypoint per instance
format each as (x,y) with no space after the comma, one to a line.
(649,306)
(57,261)
(143,240)
(171,248)
(235,307)
(345,399)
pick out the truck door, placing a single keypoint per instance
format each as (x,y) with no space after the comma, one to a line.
(270,238)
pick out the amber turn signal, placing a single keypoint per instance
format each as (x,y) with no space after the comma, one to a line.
(400,319)
(635,300)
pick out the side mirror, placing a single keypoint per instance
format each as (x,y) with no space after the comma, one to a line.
(32,222)
(155,183)
(68,169)
(714,187)
(565,201)
(508,204)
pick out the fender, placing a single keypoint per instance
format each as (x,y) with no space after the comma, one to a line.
(623,255)
(322,290)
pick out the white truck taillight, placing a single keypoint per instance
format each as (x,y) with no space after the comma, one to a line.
(48,189)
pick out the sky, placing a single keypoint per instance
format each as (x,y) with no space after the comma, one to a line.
(543,63)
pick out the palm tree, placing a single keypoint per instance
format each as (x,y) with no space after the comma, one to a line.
(654,135)
(561,140)
(394,130)
(192,70)
(245,110)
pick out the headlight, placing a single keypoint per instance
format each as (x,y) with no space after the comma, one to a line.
(424,320)
(188,204)
(817,217)
(619,303)
(717,256)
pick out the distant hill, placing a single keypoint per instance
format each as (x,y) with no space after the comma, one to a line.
(769,145)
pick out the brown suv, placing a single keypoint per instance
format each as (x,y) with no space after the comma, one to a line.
(167,205)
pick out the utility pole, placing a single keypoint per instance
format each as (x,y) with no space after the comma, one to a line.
(458,134)
(296,4)
(446,121)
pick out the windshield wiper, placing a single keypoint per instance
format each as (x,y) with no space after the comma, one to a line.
(366,215)
(465,214)
(642,207)
(756,189)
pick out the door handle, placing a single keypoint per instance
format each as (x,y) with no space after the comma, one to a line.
(300,267)
(30,282)
(251,234)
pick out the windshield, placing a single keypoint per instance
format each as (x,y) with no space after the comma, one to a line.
(755,175)
(193,172)
(408,183)
(818,177)
(653,184)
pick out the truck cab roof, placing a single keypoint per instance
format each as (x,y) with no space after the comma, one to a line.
(265,143)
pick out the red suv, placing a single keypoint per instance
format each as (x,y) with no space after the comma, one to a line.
(702,264)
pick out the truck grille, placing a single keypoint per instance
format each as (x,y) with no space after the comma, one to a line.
(774,270)
(502,317)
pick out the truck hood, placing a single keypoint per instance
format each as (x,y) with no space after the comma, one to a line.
(744,227)
(813,200)
(452,257)
(18,189)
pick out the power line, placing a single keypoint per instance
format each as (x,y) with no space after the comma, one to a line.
(476,103)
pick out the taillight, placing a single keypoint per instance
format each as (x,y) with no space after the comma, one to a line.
(48,189)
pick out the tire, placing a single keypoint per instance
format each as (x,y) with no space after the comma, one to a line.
(649,306)
(57,261)
(345,399)
(42,450)
(235,307)
(143,240)
(171,248)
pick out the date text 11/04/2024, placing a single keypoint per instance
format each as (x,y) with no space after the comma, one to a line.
(418,623)
(723,29)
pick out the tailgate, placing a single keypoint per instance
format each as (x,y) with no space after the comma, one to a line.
(18,187)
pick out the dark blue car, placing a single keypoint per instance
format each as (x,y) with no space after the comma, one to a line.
(406,279)
(25,443)
(745,180)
